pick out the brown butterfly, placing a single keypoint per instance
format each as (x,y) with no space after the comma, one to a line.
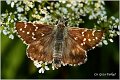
(58,44)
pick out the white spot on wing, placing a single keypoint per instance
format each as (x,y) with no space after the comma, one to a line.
(82,32)
(96,38)
(42,34)
(34,24)
(93,47)
(33,33)
(25,25)
(93,32)
(84,43)
(33,38)
(20,29)
(89,39)
(79,63)
(81,44)
(28,32)
(76,38)
(98,30)
(84,39)
(36,28)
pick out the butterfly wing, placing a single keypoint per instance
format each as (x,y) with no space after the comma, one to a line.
(73,53)
(86,38)
(30,32)
(41,50)
(78,42)
(39,39)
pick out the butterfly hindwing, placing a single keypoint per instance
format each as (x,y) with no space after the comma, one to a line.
(41,50)
(73,53)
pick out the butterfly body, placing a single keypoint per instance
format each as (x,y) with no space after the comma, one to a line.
(58,44)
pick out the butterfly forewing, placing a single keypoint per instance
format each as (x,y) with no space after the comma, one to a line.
(32,32)
(86,38)
(39,37)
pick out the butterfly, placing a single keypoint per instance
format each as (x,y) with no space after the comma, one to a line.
(58,44)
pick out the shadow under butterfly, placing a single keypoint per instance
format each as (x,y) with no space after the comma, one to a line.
(59,45)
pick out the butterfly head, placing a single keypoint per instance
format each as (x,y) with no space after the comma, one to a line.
(61,23)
